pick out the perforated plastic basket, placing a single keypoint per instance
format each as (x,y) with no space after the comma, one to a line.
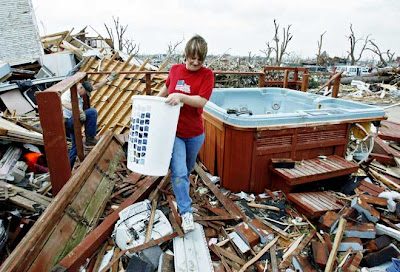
(152,135)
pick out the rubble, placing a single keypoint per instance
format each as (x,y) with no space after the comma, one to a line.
(238,232)
(109,217)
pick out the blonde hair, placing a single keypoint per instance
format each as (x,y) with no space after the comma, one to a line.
(196,46)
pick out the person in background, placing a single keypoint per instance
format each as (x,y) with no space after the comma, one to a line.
(88,116)
(189,83)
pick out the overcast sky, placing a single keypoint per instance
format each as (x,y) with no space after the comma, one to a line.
(237,25)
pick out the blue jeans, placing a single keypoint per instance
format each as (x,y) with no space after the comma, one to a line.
(183,159)
(91,128)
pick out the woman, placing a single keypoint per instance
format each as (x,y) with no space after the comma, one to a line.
(191,84)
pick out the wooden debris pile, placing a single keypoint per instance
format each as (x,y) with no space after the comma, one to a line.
(361,89)
(308,231)
(266,233)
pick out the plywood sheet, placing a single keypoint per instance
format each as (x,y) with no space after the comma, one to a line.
(14,101)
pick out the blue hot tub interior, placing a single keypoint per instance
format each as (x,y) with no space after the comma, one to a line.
(276,106)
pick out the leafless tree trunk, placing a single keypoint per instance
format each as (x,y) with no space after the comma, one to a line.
(390,56)
(171,51)
(267,52)
(353,42)
(131,47)
(122,42)
(380,54)
(319,48)
(110,34)
(280,50)
(250,57)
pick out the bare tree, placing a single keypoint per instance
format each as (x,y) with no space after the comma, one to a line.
(390,56)
(171,51)
(319,48)
(294,57)
(131,47)
(280,50)
(375,49)
(250,57)
(353,42)
(267,52)
(123,43)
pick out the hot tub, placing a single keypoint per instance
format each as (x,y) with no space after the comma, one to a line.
(245,128)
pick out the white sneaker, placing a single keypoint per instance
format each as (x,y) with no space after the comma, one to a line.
(187,222)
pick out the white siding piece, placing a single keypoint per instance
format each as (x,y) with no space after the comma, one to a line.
(191,252)
(384,230)
(19,35)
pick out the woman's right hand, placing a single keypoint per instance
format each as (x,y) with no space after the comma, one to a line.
(174,99)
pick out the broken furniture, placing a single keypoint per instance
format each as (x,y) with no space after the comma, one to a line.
(310,170)
(130,229)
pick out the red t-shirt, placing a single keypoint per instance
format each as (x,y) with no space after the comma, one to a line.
(201,82)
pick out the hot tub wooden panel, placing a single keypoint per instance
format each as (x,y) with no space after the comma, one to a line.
(241,156)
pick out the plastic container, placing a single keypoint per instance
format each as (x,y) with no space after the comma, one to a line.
(152,135)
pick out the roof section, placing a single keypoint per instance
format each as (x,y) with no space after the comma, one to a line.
(113,101)
(19,36)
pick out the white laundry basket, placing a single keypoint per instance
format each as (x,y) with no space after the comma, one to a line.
(152,135)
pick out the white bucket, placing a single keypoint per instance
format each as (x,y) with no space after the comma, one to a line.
(152,135)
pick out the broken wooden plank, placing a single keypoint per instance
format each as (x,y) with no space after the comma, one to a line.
(214,249)
(151,220)
(274,261)
(389,131)
(23,202)
(231,256)
(297,249)
(226,202)
(384,147)
(320,254)
(31,195)
(78,255)
(263,206)
(281,233)
(384,180)
(81,215)
(380,201)
(258,256)
(335,247)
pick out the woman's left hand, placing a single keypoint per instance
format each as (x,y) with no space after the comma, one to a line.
(174,99)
